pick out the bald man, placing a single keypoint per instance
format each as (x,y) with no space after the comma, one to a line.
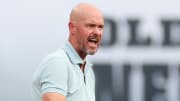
(66,75)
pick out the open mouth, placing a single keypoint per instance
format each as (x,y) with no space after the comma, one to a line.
(93,40)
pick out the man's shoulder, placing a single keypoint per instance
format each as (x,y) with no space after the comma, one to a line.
(58,55)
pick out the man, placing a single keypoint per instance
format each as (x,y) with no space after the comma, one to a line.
(66,75)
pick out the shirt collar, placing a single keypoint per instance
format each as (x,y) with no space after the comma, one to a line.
(72,54)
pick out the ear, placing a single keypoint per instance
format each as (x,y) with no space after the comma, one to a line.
(72,28)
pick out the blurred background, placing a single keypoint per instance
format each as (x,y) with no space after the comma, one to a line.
(139,59)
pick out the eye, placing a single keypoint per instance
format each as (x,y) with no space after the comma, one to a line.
(91,25)
(101,26)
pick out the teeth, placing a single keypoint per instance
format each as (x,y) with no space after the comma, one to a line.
(93,39)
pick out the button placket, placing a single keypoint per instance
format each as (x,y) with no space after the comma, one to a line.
(81,73)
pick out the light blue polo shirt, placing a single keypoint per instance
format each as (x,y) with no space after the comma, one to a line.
(60,72)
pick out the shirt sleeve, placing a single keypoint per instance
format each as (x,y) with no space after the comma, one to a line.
(54,77)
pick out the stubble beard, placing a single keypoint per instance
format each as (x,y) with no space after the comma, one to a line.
(85,48)
(91,52)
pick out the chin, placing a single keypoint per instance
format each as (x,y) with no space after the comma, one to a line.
(91,52)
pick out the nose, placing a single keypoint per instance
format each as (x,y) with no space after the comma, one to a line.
(98,31)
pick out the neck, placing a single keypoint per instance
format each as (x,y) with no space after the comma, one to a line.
(81,53)
(82,66)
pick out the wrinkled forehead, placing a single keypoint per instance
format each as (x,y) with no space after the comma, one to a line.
(96,20)
(91,17)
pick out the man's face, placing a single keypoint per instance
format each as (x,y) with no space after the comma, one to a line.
(89,33)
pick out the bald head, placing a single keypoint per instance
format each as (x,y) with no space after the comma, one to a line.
(86,28)
(84,10)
